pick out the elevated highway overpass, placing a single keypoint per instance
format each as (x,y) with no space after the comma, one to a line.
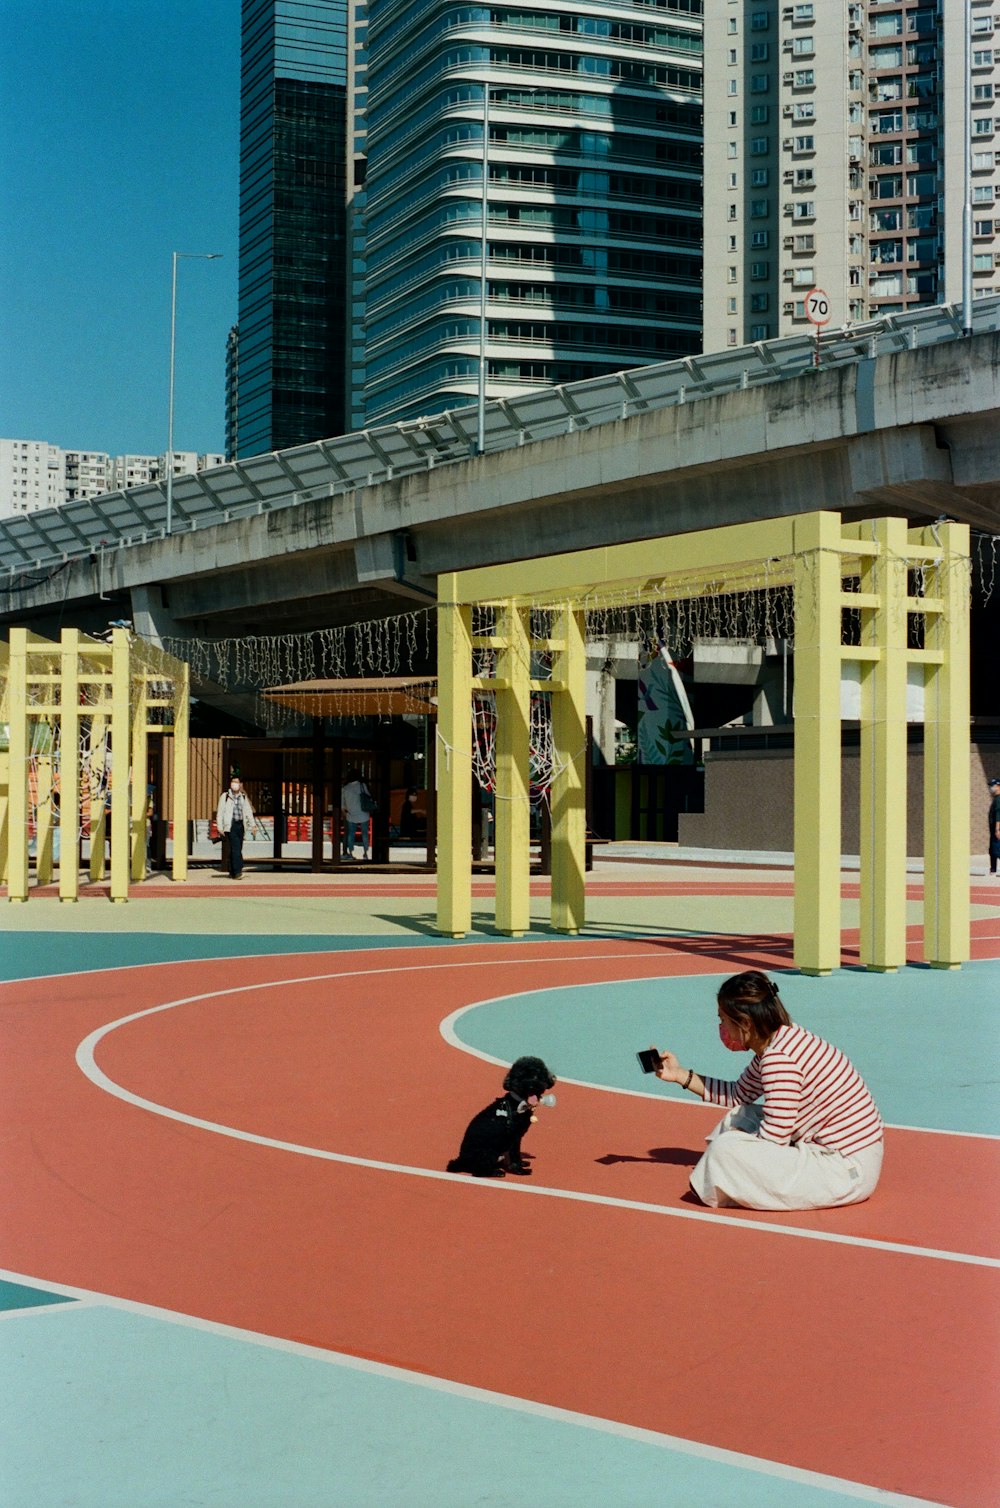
(900,417)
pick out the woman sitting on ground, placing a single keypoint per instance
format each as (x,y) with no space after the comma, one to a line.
(816,1141)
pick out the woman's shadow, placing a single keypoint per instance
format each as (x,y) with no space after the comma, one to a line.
(679,1157)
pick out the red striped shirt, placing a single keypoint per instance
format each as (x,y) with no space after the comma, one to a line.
(811,1091)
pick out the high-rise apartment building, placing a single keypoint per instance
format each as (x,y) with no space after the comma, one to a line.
(32,476)
(594,188)
(35,474)
(291,354)
(835,151)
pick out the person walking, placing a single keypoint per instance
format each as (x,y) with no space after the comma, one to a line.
(994,825)
(234,816)
(357,805)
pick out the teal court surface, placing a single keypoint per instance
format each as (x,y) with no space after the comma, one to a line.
(233,1271)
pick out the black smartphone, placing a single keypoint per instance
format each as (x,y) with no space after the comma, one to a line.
(649,1060)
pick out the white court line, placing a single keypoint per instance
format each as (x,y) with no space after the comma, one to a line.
(86,1061)
(759,1464)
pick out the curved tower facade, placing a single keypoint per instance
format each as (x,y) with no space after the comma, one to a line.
(594,189)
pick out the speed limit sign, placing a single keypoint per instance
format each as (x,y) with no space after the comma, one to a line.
(817,306)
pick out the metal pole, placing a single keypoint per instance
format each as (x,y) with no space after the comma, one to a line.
(169,458)
(481,438)
(967,183)
(197,256)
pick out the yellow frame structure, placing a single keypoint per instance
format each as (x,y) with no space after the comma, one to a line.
(813,553)
(43,682)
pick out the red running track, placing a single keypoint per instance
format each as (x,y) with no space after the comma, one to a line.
(848,1359)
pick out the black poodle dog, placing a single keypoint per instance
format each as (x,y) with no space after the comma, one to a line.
(491,1146)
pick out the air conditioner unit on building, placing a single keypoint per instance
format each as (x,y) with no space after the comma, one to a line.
(788,78)
(788,308)
(788,110)
(788,177)
(788,242)
(788,143)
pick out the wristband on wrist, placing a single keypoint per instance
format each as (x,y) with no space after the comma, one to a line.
(687,1082)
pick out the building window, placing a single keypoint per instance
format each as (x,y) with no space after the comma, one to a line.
(760,52)
(732,212)
(803,277)
(759,146)
(804,111)
(733,87)
(759,208)
(805,143)
(804,243)
(759,303)
(983,195)
(760,83)
(759,20)
(732,305)
(983,58)
(802,13)
(760,115)
(759,240)
(982,91)
(982,228)
(732,24)
(730,336)
(804,178)
(730,274)
(759,271)
(982,261)
(732,244)
(732,120)
(758,332)
(804,78)
(802,47)
(759,177)
(804,210)
(732,57)
(981,160)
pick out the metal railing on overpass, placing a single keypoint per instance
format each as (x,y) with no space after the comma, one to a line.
(117,520)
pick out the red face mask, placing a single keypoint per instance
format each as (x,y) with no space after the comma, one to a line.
(729,1037)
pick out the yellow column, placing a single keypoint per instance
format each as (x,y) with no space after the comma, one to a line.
(182,766)
(946,755)
(454,762)
(513,743)
(140,760)
(120,764)
(17,800)
(568,792)
(883,752)
(69,765)
(817,742)
(43,806)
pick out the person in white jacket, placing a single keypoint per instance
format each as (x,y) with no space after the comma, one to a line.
(357,817)
(234,816)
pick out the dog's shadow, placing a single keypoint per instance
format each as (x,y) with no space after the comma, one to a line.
(678,1157)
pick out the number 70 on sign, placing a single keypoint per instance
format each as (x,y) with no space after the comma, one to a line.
(817,306)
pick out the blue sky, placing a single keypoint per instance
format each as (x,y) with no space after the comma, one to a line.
(119,134)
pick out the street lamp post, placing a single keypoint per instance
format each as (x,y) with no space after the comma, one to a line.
(201,256)
(483,264)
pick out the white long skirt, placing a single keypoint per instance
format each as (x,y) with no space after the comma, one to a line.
(740,1170)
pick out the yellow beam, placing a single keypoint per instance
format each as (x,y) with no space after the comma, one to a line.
(947,941)
(817,743)
(710,552)
(69,767)
(120,814)
(17,801)
(883,753)
(182,769)
(139,763)
(454,762)
(568,790)
(513,742)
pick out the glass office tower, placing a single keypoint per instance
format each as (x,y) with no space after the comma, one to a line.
(291,357)
(594,194)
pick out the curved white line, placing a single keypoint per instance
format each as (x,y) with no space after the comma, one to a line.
(86,1061)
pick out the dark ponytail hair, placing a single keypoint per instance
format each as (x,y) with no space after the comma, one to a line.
(752,999)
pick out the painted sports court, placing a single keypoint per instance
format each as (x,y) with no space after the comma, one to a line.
(235,1273)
